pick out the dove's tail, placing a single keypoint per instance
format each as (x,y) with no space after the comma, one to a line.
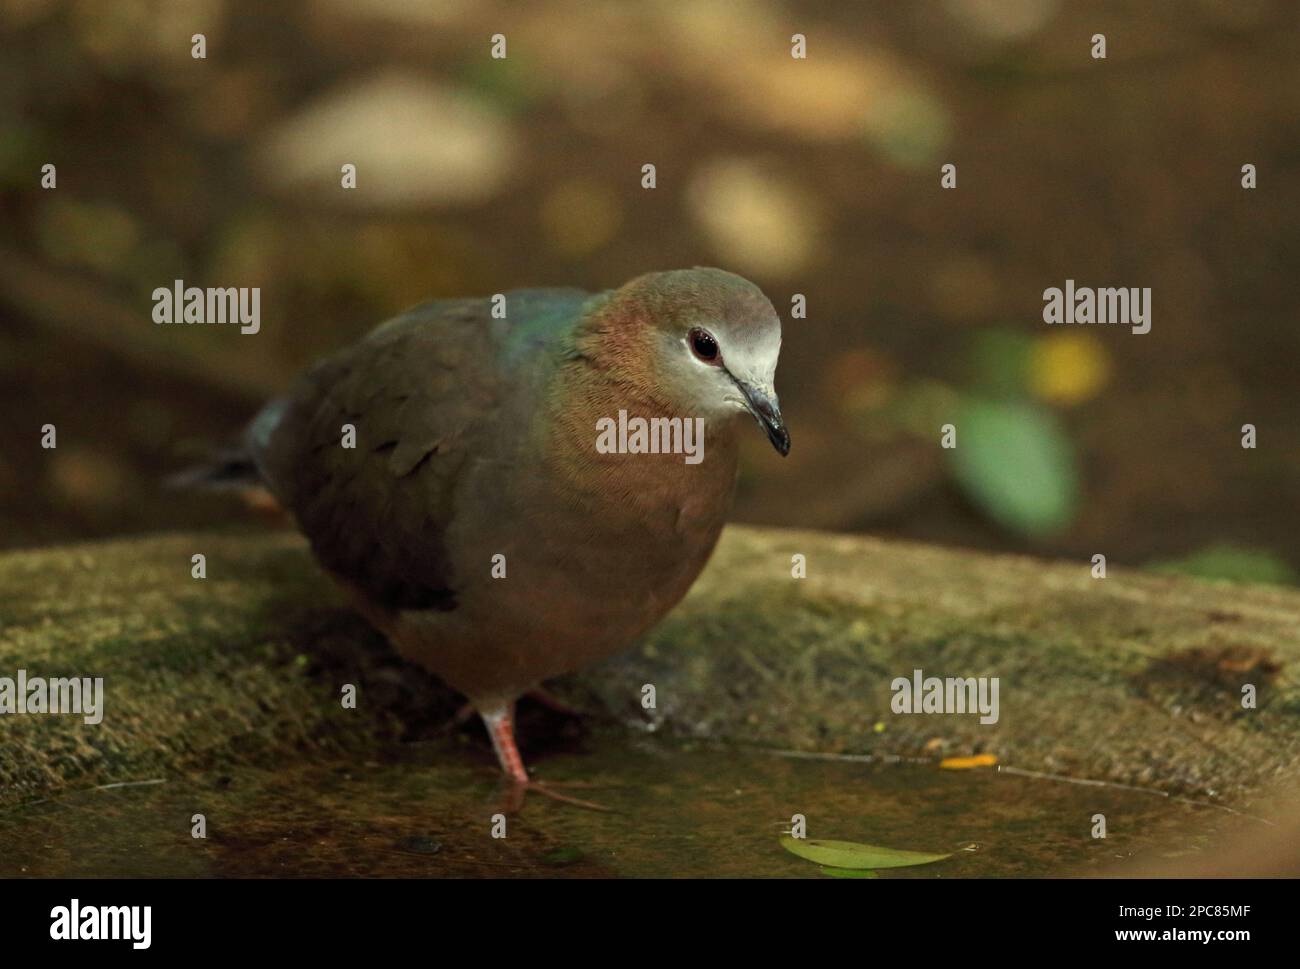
(229,470)
(236,468)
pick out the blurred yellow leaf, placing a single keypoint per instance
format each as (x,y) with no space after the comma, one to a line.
(1068,368)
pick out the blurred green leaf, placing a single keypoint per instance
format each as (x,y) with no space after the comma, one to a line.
(851,854)
(1231,562)
(999,362)
(1017,463)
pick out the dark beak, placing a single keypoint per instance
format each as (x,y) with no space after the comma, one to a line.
(767,411)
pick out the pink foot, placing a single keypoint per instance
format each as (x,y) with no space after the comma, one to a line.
(501,728)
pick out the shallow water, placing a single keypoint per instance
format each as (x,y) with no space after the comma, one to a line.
(426,810)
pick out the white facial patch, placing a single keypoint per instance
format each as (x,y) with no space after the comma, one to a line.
(754,363)
(749,357)
(750,354)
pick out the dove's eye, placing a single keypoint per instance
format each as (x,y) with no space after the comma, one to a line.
(704,346)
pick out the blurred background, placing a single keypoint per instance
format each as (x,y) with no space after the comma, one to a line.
(817,176)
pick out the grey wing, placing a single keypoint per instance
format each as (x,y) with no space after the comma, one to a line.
(415,390)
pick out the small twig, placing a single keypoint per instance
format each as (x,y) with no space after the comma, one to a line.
(84,790)
(109,787)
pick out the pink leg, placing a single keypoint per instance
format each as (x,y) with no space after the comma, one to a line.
(501,728)
(543,696)
(500,723)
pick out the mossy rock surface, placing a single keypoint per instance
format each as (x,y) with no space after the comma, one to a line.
(1133,679)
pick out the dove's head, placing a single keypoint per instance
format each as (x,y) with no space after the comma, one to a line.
(708,340)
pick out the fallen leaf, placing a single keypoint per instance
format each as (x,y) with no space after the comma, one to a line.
(851,854)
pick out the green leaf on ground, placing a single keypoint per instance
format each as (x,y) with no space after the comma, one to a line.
(852,854)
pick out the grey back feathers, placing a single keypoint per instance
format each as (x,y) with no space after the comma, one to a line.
(423,392)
